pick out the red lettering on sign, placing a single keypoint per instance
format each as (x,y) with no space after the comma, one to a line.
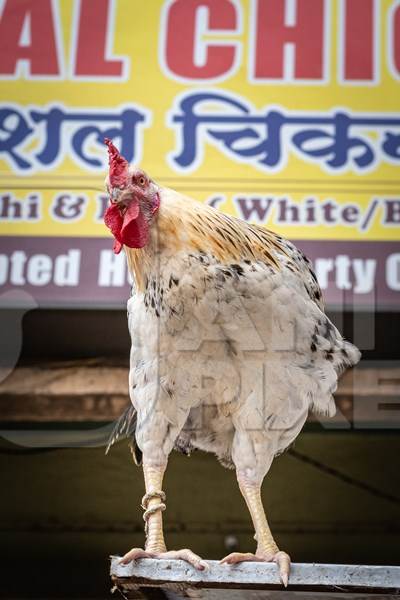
(394,42)
(186,54)
(27,33)
(305,32)
(358,40)
(93,37)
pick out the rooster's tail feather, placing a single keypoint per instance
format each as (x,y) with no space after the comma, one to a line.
(125,427)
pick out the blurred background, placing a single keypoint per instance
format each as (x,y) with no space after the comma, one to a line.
(281,112)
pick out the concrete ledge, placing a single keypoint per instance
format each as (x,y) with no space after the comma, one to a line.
(312,577)
(92,390)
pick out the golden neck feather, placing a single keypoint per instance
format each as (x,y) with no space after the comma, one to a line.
(183,224)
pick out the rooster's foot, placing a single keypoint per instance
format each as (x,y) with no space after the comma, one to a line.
(185,554)
(280,558)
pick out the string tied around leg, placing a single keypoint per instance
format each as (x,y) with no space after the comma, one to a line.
(153,509)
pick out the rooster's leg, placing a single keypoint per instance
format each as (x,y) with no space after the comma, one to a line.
(267,550)
(153,503)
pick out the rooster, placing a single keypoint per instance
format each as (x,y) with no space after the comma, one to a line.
(231,347)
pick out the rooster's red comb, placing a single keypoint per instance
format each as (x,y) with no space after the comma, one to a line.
(118,166)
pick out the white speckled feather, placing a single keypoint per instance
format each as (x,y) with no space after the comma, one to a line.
(230,344)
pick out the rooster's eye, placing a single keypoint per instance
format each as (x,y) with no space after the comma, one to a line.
(141,181)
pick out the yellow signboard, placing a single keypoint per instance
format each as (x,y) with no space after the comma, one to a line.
(281,112)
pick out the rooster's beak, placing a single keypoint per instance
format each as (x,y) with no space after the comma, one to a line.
(115,194)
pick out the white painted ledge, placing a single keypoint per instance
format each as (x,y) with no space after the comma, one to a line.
(150,572)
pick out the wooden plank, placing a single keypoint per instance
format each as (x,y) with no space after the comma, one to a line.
(252,575)
(78,392)
(89,391)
